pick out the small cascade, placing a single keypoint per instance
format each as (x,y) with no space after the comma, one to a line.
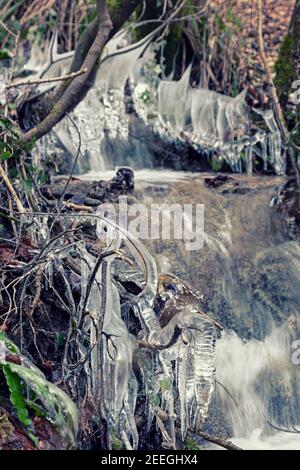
(248,273)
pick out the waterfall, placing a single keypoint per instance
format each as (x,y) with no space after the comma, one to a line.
(248,271)
(259,376)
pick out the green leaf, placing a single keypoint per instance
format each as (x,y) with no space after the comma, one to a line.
(5,155)
(8,343)
(17,400)
(42,396)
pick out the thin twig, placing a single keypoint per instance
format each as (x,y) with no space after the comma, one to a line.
(220,441)
(294,431)
(11,189)
(7,29)
(70,76)
(277,105)
(268,71)
(63,193)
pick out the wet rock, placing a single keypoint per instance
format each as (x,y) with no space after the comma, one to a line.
(122,183)
(91,193)
(217,181)
(287,205)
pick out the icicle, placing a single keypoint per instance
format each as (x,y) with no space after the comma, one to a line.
(210,120)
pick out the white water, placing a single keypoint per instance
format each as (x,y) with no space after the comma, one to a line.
(241,367)
(279,440)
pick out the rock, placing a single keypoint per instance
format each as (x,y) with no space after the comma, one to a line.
(90,193)
(287,205)
(217,181)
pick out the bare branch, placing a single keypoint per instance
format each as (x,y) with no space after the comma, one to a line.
(12,190)
(70,76)
(220,441)
(73,90)
(293,431)
(7,29)
(268,71)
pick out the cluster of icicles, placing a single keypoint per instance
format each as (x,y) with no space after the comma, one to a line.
(203,118)
(172,367)
(177,369)
(220,123)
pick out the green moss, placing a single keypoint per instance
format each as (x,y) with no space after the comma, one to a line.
(115,4)
(285,69)
(191,444)
(6,428)
(117,444)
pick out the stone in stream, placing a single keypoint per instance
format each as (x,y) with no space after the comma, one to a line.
(91,193)
(217,181)
(287,205)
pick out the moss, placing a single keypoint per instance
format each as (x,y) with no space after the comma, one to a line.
(191,444)
(285,69)
(115,4)
(6,428)
(117,444)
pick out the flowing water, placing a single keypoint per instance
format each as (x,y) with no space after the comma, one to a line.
(248,272)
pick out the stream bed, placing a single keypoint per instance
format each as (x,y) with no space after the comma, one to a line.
(247,274)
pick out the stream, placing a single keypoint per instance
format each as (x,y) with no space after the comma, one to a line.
(248,273)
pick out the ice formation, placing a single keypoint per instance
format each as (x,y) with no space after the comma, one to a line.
(174,360)
(203,118)
(220,123)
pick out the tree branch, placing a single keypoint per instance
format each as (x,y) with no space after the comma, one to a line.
(12,190)
(220,441)
(68,98)
(118,17)
(46,80)
(87,53)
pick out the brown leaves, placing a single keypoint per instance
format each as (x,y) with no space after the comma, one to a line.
(14,358)
(6,254)
(10,254)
